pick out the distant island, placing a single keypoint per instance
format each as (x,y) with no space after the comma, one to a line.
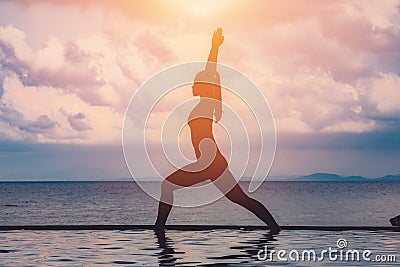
(329,177)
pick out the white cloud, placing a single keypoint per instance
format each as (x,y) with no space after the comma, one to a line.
(93,76)
(385,93)
(51,57)
(15,39)
(41,105)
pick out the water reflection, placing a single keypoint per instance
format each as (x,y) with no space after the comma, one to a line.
(179,248)
(245,251)
(166,255)
(252,246)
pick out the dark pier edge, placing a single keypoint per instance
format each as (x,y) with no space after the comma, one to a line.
(192,227)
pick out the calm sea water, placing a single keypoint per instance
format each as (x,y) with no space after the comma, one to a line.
(292,203)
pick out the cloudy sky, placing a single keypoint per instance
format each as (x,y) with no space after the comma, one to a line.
(329,69)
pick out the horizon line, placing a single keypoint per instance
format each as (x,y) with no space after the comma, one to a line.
(276,178)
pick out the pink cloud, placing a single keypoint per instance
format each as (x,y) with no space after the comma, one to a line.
(79,122)
(313,60)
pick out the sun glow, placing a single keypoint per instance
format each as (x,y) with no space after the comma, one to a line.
(201,9)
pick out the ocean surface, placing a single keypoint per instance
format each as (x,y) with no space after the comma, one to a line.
(291,203)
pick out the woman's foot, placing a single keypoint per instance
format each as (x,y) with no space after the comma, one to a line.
(274,230)
(159,228)
(395,221)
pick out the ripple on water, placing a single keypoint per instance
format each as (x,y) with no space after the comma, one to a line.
(183,248)
(124,262)
(7,250)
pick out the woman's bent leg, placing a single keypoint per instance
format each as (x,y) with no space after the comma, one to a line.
(180,178)
(165,204)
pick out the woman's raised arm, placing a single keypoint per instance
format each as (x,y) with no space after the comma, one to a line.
(217,40)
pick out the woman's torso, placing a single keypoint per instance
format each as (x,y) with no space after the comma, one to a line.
(200,122)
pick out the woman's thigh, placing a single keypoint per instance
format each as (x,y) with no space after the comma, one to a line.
(184,177)
(226,183)
(197,172)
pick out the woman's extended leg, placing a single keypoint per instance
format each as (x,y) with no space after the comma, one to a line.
(237,196)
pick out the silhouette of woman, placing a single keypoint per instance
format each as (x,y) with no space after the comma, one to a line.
(210,163)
